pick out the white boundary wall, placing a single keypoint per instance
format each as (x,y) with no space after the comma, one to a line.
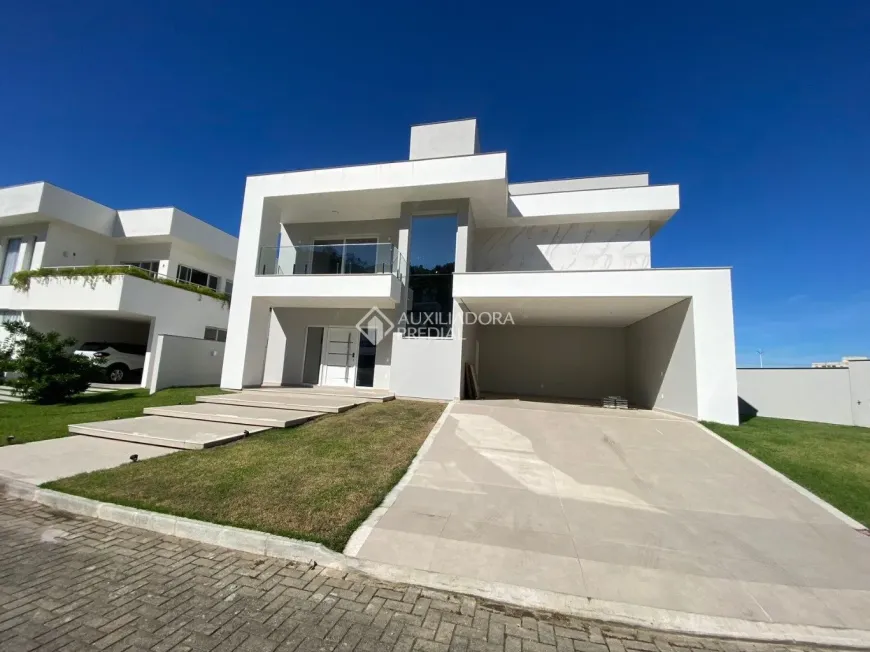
(825,395)
(186,361)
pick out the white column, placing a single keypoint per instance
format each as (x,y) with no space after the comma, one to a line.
(276,348)
(150,353)
(248,329)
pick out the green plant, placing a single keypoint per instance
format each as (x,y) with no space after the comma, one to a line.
(46,370)
(93,273)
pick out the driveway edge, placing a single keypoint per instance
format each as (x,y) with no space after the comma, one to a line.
(306,552)
(358,538)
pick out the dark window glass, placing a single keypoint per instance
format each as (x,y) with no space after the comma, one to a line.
(326,256)
(198,277)
(430,280)
(365,367)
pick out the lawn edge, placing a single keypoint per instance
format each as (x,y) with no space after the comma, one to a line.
(806,493)
(359,536)
(270,545)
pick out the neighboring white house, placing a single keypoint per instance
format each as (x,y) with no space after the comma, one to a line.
(43,226)
(444,239)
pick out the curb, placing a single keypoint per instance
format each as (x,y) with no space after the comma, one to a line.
(270,545)
(259,543)
(359,536)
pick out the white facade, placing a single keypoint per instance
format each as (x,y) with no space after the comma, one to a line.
(43,226)
(569,260)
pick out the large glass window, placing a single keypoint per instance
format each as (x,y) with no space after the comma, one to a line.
(197,277)
(344,256)
(151,266)
(430,279)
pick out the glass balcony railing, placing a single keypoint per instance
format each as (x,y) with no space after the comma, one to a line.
(343,258)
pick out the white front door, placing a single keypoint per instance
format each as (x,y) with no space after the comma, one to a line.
(339,356)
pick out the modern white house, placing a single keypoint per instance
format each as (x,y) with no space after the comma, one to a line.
(43,227)
(429,256)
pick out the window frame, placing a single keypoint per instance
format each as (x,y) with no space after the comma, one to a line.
(179,272)
(155,264)
(220,334)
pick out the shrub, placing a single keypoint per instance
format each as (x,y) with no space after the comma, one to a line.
(46,369)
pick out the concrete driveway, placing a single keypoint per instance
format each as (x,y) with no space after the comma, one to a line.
(632,508)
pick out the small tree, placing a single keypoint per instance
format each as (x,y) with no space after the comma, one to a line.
(47,371)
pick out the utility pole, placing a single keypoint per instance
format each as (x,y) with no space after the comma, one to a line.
(761,358)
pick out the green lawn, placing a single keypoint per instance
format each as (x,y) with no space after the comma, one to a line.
(318,481)
(28,422)
(831,461)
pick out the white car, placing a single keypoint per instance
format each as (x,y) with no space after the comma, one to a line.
(121,361)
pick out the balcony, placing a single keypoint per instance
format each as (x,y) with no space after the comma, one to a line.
(346,274)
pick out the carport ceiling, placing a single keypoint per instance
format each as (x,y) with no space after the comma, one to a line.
(613,312)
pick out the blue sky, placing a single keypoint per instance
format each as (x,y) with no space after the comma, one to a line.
(759,110)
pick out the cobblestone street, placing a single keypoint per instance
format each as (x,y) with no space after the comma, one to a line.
(71,583)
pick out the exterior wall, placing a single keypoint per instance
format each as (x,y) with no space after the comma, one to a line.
(585,183)
(77,211)
(285,351)
(441,139)
(68,246)
(662,368)
(185,362)
(859,381)
(426,368)
(560,361)
(563,247)
(822,395)
(130,253)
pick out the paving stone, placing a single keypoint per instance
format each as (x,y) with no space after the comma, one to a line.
(116,588)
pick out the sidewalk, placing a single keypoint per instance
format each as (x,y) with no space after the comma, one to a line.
(70,582)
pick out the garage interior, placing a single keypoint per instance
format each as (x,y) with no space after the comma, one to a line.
(640,348)
(92,327)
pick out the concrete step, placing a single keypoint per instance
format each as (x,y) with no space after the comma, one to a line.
(257,399)
(361,394)
(166,431)
(244,415)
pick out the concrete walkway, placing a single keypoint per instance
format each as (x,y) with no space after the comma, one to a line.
(634,508)
(52,459)
(74,583)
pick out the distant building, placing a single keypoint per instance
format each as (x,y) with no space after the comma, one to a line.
(842,364)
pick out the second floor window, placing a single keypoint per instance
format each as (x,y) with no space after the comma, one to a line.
(197,277)
(152,266)
(228,287)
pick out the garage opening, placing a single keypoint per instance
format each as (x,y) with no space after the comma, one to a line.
(639,348)
(122,341)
